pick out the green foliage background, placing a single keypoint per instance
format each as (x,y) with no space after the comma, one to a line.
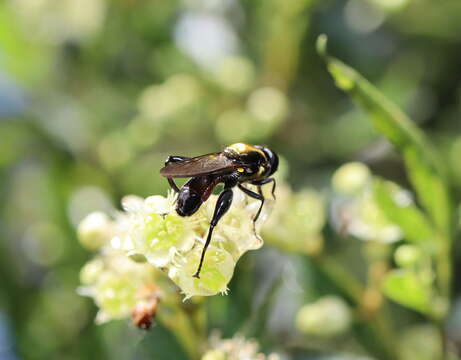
(95,94)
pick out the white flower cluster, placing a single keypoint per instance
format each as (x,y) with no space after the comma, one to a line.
(116,284)
(150,231)
(237,348)
(355,210)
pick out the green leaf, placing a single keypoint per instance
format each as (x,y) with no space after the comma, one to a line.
(433,192)
(423,163)
(405,288)
(399,209)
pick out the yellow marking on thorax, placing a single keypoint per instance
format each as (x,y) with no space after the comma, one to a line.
(241,170)
(242,148)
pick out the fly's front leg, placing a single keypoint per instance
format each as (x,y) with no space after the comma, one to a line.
(267,181)
(172,159)
(173,185)
(222,205)
(258,196)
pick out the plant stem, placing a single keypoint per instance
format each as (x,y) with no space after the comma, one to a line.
(444,278)
(179,323)
(382,344)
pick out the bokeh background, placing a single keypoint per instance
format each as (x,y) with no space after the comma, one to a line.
(94,94)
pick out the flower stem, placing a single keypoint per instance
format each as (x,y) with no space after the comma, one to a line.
(444,279)
(179,323)
(377,335)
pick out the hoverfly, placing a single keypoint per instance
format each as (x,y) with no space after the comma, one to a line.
(235,165)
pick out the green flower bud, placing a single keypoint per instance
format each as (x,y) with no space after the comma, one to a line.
(139,258)
(408,255)
(95,230)
(351,178)
(327,317)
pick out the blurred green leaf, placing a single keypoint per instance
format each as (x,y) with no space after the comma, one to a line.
(160,344)
(27,61)
(432,190)
(423,163)
(399,208)
(405,288)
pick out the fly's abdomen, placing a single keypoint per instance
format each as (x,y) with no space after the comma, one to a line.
(193,194)
(188,202)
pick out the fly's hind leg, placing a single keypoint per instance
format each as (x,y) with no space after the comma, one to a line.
(172,159)
(222,205)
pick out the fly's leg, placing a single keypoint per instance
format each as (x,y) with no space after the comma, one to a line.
(173,185)
(222,205)
(267,181)
(172,159)
(257,196)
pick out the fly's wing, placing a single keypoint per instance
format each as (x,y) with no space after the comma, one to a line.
(200,165)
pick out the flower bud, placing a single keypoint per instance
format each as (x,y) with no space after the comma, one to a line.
(95,230)
(407,255)
(327,317)
(351,178)
(90,271)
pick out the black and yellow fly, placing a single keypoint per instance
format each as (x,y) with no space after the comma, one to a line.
(235,165)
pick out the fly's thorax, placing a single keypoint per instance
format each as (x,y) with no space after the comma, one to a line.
(254,161)
(241,149)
